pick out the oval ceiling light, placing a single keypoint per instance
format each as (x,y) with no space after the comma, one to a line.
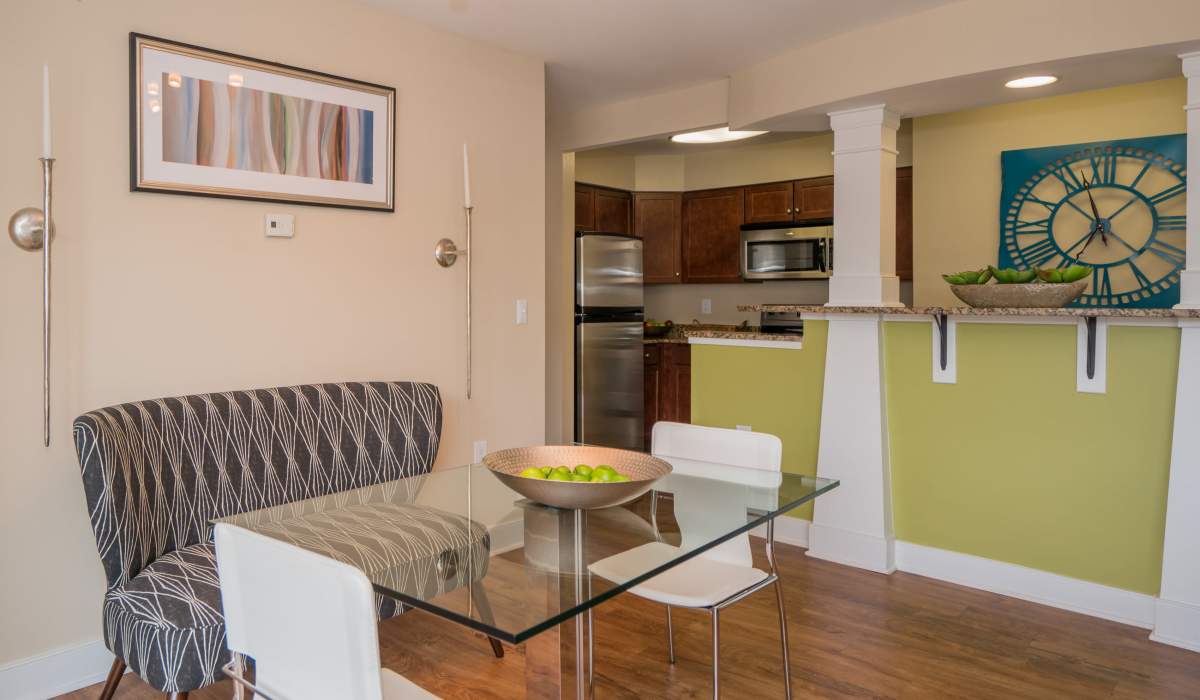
(719,135)
(1031,81)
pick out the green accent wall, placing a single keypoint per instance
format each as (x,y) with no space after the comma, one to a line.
(772,390)
(1013,464)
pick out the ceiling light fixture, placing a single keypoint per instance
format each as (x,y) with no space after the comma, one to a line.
(1031,81)
(719,135)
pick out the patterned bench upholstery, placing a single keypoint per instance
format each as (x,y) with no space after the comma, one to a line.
(155,473)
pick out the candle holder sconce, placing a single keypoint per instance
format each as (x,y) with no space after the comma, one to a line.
(27,229)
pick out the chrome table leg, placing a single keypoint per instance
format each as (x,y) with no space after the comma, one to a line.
(670,638)
(783,632)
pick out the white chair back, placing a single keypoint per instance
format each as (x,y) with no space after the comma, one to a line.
(307,621)
(697,514)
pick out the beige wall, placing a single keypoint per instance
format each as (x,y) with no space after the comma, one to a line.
(956,168)
(161,294)
(653,173)
(605,167)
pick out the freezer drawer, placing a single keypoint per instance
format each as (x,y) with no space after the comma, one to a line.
(608,383)
(608,272)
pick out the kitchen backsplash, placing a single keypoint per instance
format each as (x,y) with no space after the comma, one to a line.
(682,303)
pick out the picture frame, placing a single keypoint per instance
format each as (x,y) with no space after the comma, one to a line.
(210,123)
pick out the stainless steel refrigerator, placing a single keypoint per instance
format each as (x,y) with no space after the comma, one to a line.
(608,340)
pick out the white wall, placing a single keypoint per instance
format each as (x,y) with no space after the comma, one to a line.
(162,295)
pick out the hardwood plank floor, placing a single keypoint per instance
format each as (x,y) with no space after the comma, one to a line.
(853,634)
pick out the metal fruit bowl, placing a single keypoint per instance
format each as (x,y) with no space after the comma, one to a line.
(642,470)
(1036,295)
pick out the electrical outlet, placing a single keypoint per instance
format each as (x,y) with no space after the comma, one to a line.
(522,312)
(745,427)
(280,225)
(706,306)
(480,447)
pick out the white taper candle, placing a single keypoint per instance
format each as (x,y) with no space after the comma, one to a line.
(466,179)
(46,153)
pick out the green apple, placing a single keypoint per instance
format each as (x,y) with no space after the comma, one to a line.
(579,477)
(546,471)
(533,473)
(621,477)
(604,475)
(559,476)
(583,469)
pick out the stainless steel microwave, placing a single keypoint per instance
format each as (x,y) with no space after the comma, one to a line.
(787,253)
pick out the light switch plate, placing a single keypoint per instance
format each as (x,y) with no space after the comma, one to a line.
(522,312)
(706,306)
(280,225)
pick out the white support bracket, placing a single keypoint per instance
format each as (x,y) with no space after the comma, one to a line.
(945,349)
(1091,356)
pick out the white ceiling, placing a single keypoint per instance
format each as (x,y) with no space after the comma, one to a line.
(603,50)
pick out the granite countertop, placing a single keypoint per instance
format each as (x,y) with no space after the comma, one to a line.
(970,311)
(681,332)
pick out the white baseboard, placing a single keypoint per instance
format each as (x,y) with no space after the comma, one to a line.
(851,548)
(1177,624)
(56,672)
(793,531)
(1017,581)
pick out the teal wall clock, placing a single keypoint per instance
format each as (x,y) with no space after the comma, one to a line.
(1117,206)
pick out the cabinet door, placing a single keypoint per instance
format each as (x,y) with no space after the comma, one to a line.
(813,199)
(585,208)
(681,387)
(711,234)
(656,220)
(651,399)
(613,211)
(768,203)
(904,223)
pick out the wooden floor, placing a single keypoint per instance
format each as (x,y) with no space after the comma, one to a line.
(853,634)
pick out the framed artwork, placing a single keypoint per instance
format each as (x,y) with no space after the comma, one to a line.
(1118,207)
(215,124)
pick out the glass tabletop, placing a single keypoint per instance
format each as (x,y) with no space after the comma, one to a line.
(460,544)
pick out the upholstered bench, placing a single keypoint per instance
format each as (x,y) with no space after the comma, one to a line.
(156,472)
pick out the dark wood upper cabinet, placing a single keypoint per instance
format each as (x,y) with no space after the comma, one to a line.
(614,211)
(767,203)
(657,220)
(813,199)
(904,223)
(585,208)
(712,222)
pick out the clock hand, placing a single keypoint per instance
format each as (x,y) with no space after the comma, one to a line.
(1090,236)
(1087,186)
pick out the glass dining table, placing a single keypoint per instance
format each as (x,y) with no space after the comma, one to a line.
(461,545)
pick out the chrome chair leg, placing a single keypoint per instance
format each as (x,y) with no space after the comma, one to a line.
(670,638)
(783,633)
(716,634)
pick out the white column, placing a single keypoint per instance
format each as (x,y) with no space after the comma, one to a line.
(853,523)
(864,208)
(1189,288)
(1177,610)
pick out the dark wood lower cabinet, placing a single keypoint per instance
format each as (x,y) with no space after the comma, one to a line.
(668,384)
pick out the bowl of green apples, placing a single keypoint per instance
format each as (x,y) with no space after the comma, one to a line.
(576,477)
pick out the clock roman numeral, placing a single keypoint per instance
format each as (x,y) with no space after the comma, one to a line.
(1071,182)
(1104,169)
(1140,175)
(1040,226)
(1166,251)
(1168,193)
(1044,203)
(1039,252)
(1101,283)
(1172,223)
(1143,280)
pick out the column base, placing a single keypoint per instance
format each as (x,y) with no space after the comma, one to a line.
(1177,624)
(852,548)
(1189,290)
(864,290)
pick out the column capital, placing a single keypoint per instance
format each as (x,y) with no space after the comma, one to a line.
(1191,64)
(873,115)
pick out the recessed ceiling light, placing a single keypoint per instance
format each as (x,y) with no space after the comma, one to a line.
(719,135)
(1031,81)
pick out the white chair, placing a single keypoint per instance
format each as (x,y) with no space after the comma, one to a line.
(721,576)
(307,621)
